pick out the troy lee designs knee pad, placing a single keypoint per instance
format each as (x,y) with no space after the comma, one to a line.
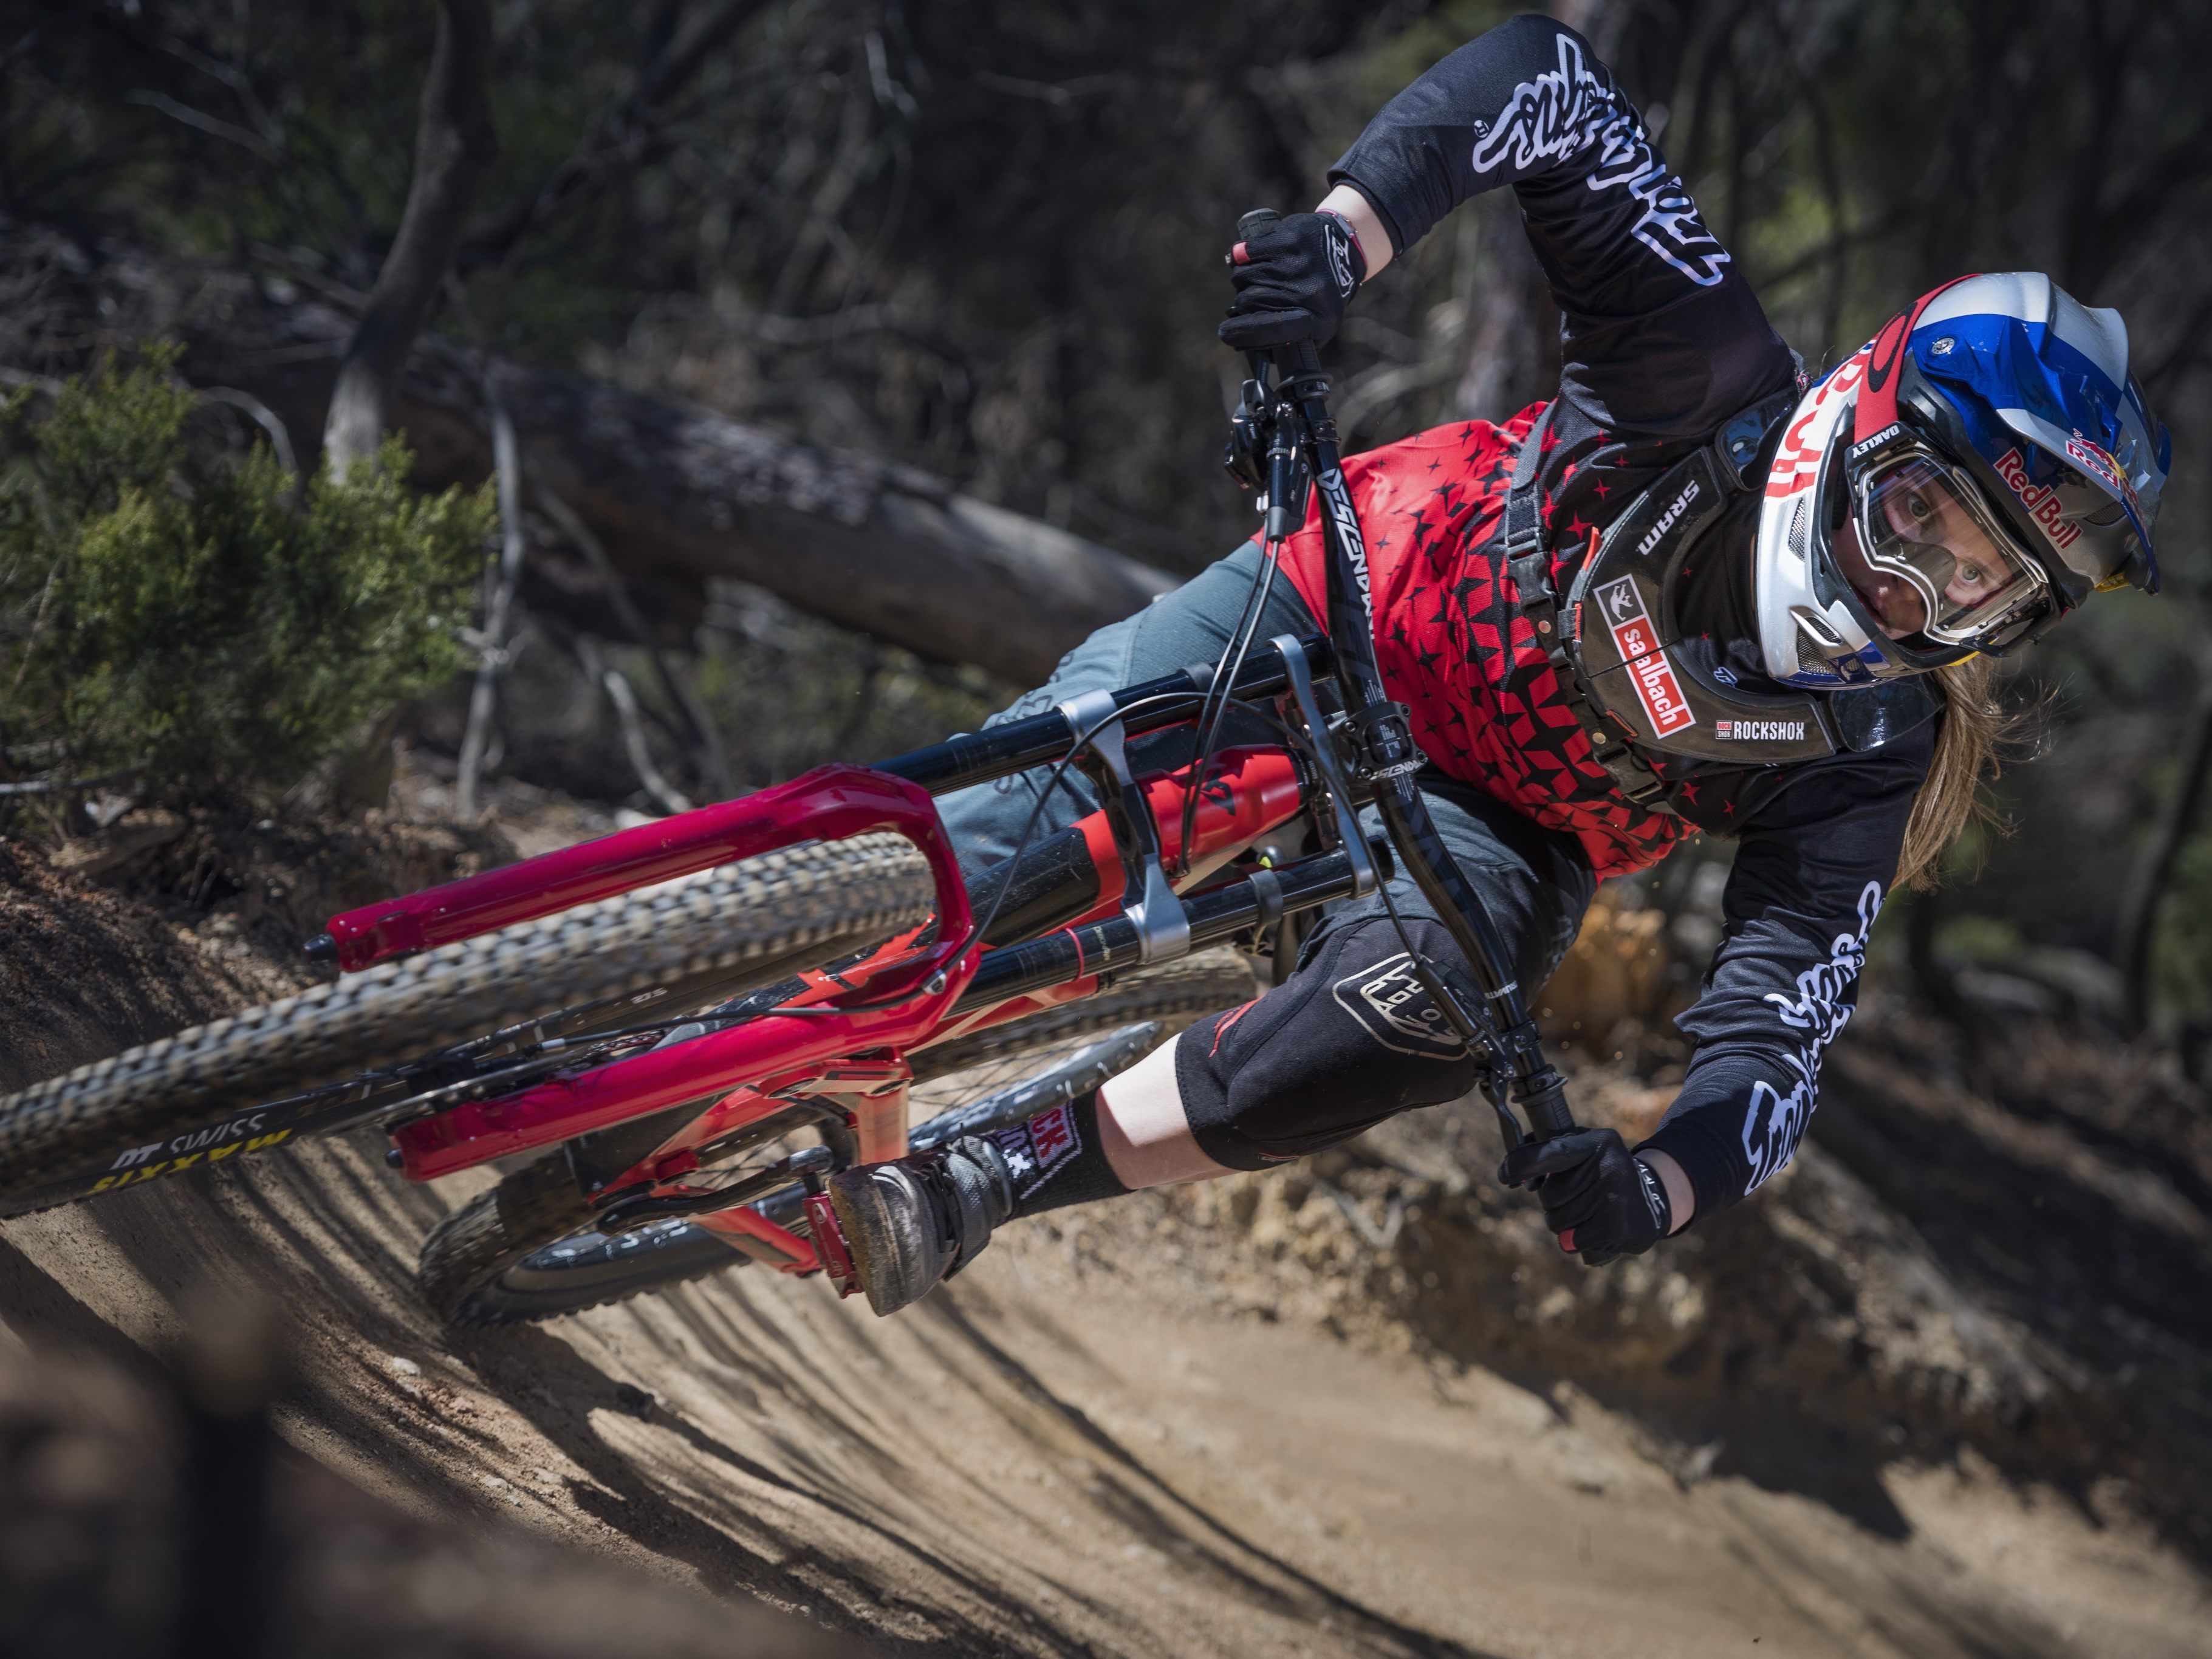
(1351,1038)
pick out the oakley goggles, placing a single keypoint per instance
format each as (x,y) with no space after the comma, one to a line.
(1935,561)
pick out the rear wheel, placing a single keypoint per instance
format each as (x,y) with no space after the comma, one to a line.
(525,1251)
(276,1073)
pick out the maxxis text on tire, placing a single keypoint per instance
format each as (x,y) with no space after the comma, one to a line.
(169,1105)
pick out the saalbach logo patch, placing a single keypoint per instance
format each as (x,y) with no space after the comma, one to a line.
(1395,1008)
(1649,670)
(1035,1149)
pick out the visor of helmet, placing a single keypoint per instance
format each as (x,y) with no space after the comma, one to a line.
(1932,560)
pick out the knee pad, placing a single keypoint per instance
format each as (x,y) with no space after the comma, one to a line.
(1351,1038)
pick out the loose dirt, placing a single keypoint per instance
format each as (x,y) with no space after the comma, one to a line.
(1358,1407)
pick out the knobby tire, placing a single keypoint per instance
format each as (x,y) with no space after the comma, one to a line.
(200,1097)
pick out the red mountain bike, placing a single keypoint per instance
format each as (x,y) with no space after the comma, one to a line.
(660,1009)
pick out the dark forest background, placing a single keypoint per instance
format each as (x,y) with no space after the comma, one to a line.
(981,240)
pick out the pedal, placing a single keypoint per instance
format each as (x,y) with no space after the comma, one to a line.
(829,1244)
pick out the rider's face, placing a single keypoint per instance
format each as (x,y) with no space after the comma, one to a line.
(1894,601)
(1930,520)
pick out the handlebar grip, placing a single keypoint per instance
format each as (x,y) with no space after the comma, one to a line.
(1248,226)
(1300,357)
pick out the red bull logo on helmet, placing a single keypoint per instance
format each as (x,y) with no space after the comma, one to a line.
(2099,464)
(2041,500)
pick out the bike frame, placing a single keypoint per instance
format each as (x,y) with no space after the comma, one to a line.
(843,1047)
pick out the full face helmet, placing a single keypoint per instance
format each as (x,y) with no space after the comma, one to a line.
(1964,479)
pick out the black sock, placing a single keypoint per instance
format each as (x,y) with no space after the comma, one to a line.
(1056,1158)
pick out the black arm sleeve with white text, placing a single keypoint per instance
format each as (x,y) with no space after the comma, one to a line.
(1815,855)
(1660,335)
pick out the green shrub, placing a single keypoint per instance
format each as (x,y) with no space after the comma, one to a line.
(211,620)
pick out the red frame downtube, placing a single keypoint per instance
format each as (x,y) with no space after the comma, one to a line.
(774,1051)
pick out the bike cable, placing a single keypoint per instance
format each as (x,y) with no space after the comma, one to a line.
(1215,708)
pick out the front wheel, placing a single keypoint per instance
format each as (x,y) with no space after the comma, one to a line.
(276,1073)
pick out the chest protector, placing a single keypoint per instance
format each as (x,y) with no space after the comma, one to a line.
(1644,690)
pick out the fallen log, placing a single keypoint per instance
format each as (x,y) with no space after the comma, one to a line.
(676,493)
(671,488)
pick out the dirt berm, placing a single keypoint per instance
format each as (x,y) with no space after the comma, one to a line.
(1941,1391)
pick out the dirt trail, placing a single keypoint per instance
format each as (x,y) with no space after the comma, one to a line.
(1087,1444)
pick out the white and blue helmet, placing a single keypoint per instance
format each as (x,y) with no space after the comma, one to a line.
(1965,478)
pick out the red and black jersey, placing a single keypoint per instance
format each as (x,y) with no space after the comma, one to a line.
(1453,645)
(1661,342)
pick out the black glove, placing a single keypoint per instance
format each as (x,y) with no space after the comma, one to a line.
(1602,1203)
(1293,283)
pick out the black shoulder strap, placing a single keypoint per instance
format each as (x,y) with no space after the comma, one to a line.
(1530,563)
(1525,556)
(1524,528)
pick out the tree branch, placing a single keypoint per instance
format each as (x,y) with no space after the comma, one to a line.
(614,142)
(214,127)
(711,753)
(456,147)
(2139,922)
(280,439)
(664,795)
(499,604)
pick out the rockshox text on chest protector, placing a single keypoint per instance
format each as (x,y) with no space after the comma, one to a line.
(1644,689)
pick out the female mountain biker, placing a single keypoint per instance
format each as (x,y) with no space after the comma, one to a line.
(1784,598)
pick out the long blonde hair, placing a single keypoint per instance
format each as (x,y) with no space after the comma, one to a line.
(1970,735)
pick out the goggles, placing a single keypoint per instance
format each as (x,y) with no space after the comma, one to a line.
(1933,559)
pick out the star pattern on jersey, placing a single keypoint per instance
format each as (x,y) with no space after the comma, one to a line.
(1452,641)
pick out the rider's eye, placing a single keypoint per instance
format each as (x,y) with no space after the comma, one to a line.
(1970,574)
(1921,508)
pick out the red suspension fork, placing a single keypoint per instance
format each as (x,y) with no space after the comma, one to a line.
(896,1008)
(1247,792)
(830,803)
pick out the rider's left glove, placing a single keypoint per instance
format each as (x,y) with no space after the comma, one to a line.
(1601,1201)
(1293,281)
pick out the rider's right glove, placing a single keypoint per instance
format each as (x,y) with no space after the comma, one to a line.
(1601,1199)
(1293,281)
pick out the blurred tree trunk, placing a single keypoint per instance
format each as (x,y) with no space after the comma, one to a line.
(456,148)
(2140,919)
(670,489)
